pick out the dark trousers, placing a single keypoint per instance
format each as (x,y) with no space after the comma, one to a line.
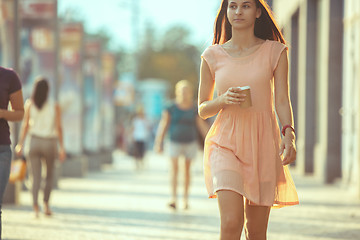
(5,164)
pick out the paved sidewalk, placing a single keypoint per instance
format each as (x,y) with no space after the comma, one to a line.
(120,203)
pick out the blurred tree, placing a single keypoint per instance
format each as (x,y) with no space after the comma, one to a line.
(171,57)
(103,35)
(122,56)
(72,14)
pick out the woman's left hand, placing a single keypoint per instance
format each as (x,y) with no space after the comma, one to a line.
(158,147)
(62,155)
(19,150)
(288,147)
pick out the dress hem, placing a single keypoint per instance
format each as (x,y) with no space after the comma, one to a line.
(276,204)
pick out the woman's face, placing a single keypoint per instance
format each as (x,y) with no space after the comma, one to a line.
(242,13)
(184,93)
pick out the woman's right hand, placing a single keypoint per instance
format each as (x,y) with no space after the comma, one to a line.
(158,147)
(19,150)
(62,154)
(233,96)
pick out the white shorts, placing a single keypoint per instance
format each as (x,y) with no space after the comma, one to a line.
(177,149)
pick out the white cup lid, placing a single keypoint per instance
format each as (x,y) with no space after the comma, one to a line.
(244,88)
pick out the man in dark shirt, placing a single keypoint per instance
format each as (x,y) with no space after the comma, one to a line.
(10,92)
(9,85)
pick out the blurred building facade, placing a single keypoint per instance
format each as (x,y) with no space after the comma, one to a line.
(82,71)
(324,55)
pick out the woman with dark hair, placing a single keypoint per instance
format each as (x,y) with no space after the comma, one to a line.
(245,158)
(42,121)
(10,92)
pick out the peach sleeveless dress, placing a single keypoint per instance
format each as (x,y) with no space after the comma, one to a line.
(241,150)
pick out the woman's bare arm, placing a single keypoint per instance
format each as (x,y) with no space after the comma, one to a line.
(207,106)
(161,131)
(58,124)
(284,109)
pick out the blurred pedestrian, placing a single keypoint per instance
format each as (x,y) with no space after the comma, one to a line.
(10,91)
(139,136)
(42,120)
(181,121)
(244,157)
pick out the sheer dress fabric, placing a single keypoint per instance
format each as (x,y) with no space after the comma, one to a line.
(241,151)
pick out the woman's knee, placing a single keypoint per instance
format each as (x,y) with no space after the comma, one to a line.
(174,164)
(255,234)
(256,222)
(232,224)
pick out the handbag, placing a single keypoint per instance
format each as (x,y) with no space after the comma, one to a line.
(18,170)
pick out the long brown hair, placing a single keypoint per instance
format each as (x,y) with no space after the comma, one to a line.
(41,91)
(265,26)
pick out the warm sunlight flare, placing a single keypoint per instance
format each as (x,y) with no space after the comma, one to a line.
(174,120)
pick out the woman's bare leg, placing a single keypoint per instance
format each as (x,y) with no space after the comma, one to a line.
(187,182)
(174,177)
(231,206)
(256,221)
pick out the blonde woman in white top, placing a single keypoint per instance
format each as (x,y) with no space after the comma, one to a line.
(42,120)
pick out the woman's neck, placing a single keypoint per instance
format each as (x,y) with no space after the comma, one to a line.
(242,39)
(184,103)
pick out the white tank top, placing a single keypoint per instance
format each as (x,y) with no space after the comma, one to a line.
(140,129)
(42,121)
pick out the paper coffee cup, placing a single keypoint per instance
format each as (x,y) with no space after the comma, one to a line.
(247,103)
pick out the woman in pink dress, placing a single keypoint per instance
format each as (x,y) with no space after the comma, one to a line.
(245,158)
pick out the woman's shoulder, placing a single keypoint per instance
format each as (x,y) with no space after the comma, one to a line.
(170,104)
(210,50)
(50,104)
(276,49)
(211,56)
(212,47)
(273,44)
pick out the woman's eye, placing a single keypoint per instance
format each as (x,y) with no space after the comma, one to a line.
(246,6)
(232,7)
